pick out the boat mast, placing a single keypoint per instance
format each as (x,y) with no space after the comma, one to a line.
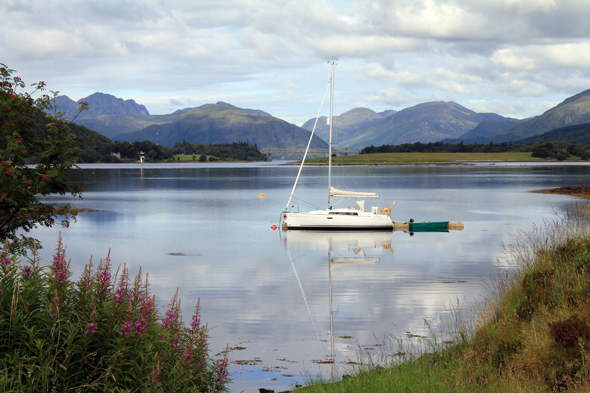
(330,140)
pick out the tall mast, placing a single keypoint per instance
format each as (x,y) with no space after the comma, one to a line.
(330,140)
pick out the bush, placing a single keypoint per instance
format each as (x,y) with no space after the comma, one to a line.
(100,333)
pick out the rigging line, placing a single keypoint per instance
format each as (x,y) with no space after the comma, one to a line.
(308,144)
(305,203)
(306,304)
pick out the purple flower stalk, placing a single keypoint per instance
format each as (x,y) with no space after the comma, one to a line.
(27,273)
(60,269)
(91,327)
(5,262)
(126,328)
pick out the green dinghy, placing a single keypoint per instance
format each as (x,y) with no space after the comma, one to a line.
(426,226)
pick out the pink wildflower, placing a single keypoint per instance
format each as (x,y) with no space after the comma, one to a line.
(176,343)
(86,279)
(140,326)
(221,370)
(27,273)
(91,327)
(155,377)
(104,274)
(126,328)
(60,270)
(5,261)
(168,321)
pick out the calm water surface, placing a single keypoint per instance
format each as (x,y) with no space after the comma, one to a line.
(268,292)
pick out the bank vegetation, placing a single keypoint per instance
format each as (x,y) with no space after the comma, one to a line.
(532,334)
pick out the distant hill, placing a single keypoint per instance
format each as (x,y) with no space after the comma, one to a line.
(347,126)
(575,134)
(572,111)
(430,122)
(481,133)
(113,125)
(100,104)
(224,123)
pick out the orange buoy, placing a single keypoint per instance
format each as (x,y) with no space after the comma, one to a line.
(274,227)
(261,195)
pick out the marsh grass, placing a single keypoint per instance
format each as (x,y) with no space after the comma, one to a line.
(101,333)
(531,334)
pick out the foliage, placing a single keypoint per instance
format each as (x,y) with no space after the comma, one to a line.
(440,147)
(241,151)
(558,150)
(54,150)
(418,158)
(97,334)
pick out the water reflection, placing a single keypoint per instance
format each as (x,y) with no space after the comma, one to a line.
(343,250)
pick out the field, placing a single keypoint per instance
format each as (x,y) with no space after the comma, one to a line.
(411,158)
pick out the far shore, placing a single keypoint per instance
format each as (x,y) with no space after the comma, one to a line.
(582,191)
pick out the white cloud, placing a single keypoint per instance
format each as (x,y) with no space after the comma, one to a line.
(393,97)
(390,52)
(289,85)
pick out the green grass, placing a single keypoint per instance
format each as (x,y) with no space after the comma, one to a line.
(408,158)
(187,157)
(531,335)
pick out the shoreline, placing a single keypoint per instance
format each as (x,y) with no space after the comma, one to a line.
(582,191)
(458,162)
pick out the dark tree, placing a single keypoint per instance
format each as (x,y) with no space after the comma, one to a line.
(51,149)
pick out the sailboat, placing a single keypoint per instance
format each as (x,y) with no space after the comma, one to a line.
(353,217)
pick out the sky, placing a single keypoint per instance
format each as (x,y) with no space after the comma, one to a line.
(517,58)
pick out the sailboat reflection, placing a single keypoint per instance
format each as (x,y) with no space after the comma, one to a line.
(351,248)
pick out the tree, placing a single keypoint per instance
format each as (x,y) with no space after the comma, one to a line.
(22,142)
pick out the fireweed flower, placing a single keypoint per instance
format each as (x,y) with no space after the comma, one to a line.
(27,272)
(221,370)
(60,269)
(5,262)
(91,327)
(121,294)
(104,274)
(126,328)
(140,326)
(155,377)
(86,279)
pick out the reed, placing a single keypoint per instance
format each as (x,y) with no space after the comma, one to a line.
(101,332)
(531,334)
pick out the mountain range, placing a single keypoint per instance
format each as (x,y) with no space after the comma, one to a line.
(99,104)
(359,127)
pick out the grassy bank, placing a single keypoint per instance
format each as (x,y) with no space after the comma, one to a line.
(411,158)
(531,335)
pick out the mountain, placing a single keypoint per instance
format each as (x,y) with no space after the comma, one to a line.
(428,122)
(481,133)
(579,133)
(574,110)
(224,123)
(113,125)
(346,127)
(99,104)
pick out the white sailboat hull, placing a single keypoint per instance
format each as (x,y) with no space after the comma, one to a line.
(337,219)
